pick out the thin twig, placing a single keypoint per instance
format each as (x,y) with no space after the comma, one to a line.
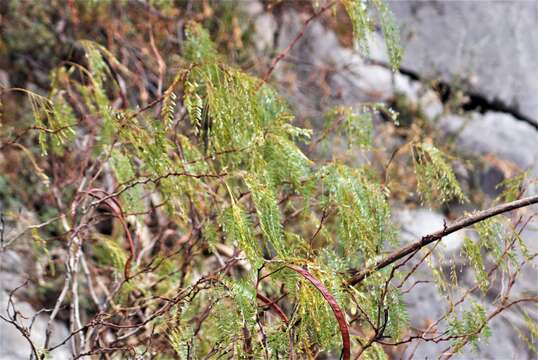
(299,35)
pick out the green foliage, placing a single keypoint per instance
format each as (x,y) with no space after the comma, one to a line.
(503,242)
(221,100)
(360,13)
(364,222)
(96,63)
(244,298)
(383,304)
(238,228)
(492,236)
(435,179)
(532,327)
(109,253)
(470,327)
(99,72)
(284,161)
(182,342)
(268,214)
(472,251)
(41,110)
(375,352)
(199,47)
(318,325)
(398,318)
(181,337)
(121,165)
(54,118)
(169,106)
(391,33)
(512,188)
(357,127)
(361,21)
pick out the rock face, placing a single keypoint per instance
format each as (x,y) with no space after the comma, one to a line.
(491,45)
(498,134)
(13,345)
(418,222)
(320,73)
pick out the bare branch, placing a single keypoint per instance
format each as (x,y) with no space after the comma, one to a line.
(438,235)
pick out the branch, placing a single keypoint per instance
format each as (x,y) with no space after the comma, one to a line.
(299,35)
(438,235)
(338,313)
(120,215)
(268,302)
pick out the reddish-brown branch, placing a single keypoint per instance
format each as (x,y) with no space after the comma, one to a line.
(118,212)
(274,305)
(438,235)
(338,313)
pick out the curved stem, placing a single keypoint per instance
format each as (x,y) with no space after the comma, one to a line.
(338,313)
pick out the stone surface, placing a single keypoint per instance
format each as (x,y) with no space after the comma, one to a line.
(320,73)
(14,271)
(13,345)
(4,79)
(490,45)
(416,223)
(11,275)
(265,26)
(495,133)
(425,305)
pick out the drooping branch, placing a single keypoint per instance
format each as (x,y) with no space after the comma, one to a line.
(338,313)
(438,235)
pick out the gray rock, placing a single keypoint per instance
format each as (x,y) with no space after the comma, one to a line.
(431,105)
(264,23)
(251,8)
(4,79)
(11,270)
(495,133)
(265,26)
(425,305)
(492,45)
(13,345)
(10,261)
(320,73)
(14,272)
(416,223)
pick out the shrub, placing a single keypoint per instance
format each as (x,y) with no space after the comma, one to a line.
(226,238)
